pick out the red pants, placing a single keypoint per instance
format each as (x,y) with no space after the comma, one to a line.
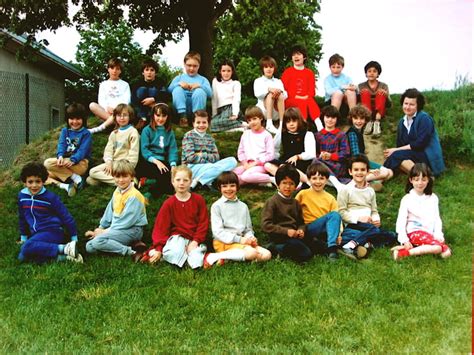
(378,104)
(423,238)
(305,106)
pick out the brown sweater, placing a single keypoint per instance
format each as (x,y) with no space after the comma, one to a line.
(280,214)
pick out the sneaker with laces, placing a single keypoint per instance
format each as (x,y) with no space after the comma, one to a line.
(368,127)
(70,249)
(78,259)
(377,130)
(361,252)
(333,256)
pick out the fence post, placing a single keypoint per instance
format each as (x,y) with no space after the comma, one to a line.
(27,108)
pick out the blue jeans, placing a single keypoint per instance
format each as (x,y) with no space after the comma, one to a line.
(366,232)
(115,241)
(329,224)
(187,102)
(42,246)
(206,173)
(294,249)
(142,93)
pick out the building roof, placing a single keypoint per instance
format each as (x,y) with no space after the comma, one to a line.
(45,58)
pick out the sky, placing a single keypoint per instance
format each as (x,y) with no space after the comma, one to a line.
(425,44)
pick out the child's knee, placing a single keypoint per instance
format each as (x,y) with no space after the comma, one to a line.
(264,254)
(250,254)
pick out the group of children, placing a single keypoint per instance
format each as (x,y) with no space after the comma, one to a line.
(297,228)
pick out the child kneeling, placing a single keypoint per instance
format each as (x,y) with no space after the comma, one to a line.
(121,228)
(181,225)
(232,227)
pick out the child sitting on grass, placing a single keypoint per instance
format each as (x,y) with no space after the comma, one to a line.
(419,225)
(123,143)
(42,220)
(358,209)
(232,230)
(200,153)
(320,210)
(73,152)
(282,219)
(359,116)
(181,225)
(121,227)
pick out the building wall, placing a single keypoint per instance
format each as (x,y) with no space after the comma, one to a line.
(46,104)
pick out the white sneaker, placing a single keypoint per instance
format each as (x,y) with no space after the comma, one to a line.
(78,259)
(271,128)
(70,249)
(368,127)
(377,131)
(71,190)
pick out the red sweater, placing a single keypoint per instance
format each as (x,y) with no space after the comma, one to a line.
(188,219)
(299,82)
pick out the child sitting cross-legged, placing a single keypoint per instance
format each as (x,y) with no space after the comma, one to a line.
(42,220)
(181,225)
(320,210)
(358,209)
(121,228)
(282,219)
(232,230)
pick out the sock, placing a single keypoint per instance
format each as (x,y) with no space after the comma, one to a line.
(63,186)
(270,123)
(318,123)
(335,182)
(351,245)
(61,248)
(76,178)
(232,254)
(98,128)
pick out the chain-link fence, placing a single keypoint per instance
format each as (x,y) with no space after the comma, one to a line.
(29,107)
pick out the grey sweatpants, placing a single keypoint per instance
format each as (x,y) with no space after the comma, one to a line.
(115,241)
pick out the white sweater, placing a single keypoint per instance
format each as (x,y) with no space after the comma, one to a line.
(419,213)
(226,93)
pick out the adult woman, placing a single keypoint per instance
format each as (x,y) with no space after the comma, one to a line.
(417,139)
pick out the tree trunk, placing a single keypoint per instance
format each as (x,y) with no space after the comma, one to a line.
(200,23)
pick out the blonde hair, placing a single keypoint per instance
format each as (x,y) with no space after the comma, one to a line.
(182,168)
(122,168)
(192,55)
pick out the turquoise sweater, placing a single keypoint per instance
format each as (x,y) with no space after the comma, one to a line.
(159,144)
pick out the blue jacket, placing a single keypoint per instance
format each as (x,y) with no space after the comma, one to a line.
(423,137)
(43,211)
(75,145)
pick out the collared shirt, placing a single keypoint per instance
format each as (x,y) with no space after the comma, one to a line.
(407,122)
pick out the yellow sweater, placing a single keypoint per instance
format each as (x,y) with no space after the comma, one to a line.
(123,143)
(315,204)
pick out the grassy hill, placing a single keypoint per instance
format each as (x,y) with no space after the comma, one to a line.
(109,304)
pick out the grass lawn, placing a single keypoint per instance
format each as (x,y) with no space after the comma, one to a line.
(109,304)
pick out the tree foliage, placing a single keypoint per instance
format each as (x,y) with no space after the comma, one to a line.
(255,28)
(168,19)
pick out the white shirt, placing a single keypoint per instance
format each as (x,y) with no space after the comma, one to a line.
(226,93)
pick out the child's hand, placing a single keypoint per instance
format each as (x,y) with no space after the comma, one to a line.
(388,152)
(293,159)
(194,86)
(154,256)
(191,246)
(233,117)
(253,241)
(351,87)
(407,245)
(376,172)
(161,167)
(292,233)
(325,155)
(245,240)
(60,161)
(376,223)
(90,235)
(68,163)
(300,233)
(149,101)
(110,110)
(365,219)
(108,168)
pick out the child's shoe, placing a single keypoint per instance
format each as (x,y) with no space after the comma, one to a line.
(141,182)
(70,249)
(398,253)
(361,252)
(368,127)
(78,259)
(377,130)
(270,127)
(446,254)
(71,190)
(347,252)
(376,185)
(332,256)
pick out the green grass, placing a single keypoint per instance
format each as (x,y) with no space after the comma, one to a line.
(109,304)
